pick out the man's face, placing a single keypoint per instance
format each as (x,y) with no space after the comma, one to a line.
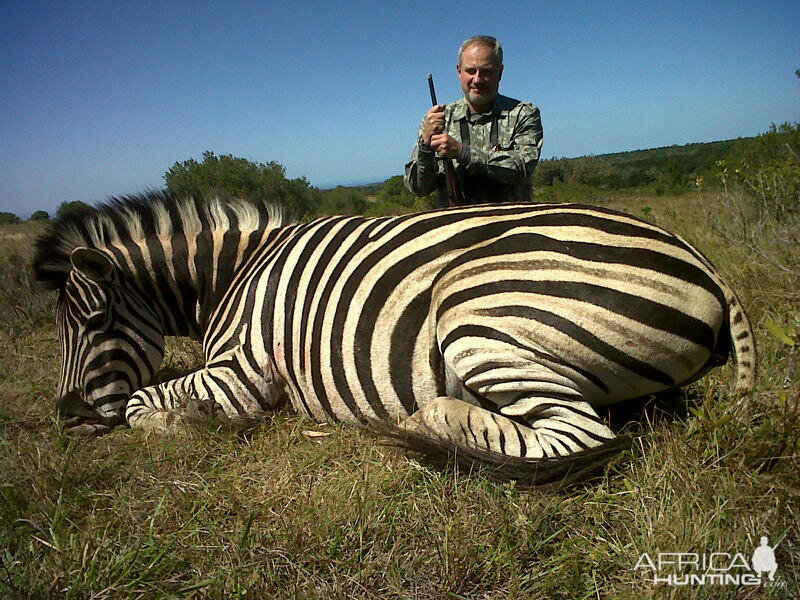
(479,73)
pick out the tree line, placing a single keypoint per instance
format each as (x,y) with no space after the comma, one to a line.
(767,166)
(665,170)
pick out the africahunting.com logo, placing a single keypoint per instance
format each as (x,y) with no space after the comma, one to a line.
(714,568)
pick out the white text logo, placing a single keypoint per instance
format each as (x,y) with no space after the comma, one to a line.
(714,568)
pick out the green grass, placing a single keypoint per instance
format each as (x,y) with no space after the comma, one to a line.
(262,510)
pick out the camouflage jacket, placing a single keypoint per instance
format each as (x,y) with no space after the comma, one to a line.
(499,158)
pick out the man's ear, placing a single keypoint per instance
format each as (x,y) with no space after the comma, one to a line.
(92,263)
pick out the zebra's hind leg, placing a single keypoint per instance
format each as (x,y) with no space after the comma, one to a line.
(534,440)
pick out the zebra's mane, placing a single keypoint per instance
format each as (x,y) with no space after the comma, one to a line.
(134,218)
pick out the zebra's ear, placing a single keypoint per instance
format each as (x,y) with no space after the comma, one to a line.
(92,263)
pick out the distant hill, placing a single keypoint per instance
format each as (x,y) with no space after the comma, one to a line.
(667,167)
(670,169)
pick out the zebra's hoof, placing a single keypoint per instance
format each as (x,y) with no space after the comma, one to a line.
(87,429)
(201,411)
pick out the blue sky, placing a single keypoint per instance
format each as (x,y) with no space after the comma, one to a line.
(102,100)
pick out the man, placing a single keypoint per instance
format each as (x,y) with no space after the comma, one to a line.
(495,140)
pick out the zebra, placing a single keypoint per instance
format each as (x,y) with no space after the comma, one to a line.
(495,332)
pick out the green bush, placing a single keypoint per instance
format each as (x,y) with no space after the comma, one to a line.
(670,169)
(382,208)
(375,200)
(767,167)
(66,208)
(340,201)
(394,191)
(7,218)
(240,178)
(40,215)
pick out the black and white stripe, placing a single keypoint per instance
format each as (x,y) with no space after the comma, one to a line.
(497,328)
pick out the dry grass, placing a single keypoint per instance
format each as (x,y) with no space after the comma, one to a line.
(260,510)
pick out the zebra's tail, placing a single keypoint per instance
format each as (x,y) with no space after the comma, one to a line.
(744,345)
(557,472)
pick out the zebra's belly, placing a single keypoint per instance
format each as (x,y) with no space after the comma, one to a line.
(388,388)
(370,367)
(555,347)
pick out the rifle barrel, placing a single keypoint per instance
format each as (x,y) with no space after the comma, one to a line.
(432,89)
(454,196)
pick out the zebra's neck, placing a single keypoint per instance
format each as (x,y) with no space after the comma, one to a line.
(183,278)
(179,254)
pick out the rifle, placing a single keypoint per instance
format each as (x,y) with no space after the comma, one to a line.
(454,195)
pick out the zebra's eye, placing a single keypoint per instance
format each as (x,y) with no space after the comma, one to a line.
(96,321)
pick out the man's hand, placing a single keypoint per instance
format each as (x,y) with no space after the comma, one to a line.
(445,146)
(434,135)
(434,123)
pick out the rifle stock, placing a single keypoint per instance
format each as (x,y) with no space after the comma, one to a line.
(454,195)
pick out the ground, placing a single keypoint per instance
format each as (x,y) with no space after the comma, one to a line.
(284,508)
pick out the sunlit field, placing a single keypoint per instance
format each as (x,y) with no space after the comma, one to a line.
(285,508)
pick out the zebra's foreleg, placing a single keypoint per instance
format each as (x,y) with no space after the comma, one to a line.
(225,388)
(166,406)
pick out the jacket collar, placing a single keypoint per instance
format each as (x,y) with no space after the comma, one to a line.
(461,108)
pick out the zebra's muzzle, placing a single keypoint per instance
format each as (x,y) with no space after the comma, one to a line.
(72,405)
(81,419)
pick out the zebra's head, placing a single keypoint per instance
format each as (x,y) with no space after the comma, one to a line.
(112,342)
(127,273)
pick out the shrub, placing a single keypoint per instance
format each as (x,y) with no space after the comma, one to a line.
(341,201)
(74,206)
(767,167)
(240,178)
(7,218)
(394,191)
